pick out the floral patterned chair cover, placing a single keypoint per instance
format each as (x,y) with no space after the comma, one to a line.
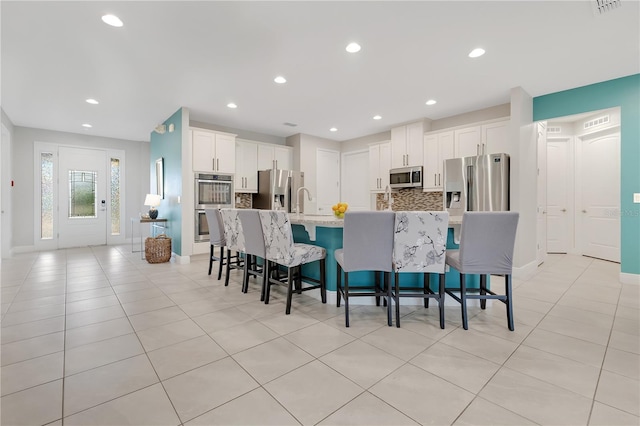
(235,238)
(420,245)
(281,250)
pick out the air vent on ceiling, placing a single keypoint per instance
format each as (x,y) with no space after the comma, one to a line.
(554,129)
(290,124)
(596,122)
(602,6)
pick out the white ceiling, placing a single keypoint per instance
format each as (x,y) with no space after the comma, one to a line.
(203,55)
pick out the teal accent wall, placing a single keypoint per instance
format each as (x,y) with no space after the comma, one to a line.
(169,147)
(624,93)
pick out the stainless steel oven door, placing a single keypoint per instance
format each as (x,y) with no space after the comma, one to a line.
(202,227)
(213,191)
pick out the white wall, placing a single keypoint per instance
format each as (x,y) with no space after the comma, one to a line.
(490,113)
(524,168)
(242,134)
(136,174)
(304,156)
(358,144)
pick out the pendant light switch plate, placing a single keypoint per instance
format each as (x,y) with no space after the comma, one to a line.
(636,197)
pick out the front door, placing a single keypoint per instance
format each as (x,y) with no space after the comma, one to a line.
(599,206)
(82,180)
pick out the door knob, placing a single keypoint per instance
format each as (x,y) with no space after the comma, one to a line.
(563,210)
(584,211)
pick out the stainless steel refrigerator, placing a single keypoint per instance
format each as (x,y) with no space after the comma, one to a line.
(478,183)
(277,190)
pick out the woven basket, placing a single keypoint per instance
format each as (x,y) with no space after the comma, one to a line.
(158,249)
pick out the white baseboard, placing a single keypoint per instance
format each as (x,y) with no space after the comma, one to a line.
(181,260)
(629,278)
(526,271)
(22,249)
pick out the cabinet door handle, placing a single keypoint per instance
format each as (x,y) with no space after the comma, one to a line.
(213,165)
(276,164)
(435,180)
(477,149)
(218,164)
(563,210)
(439,179)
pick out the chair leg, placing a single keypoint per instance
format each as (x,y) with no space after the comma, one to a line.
(211,259)
(425,284)
(463,301)
(221,262)
(265,277)
(289,289)
(323,281)
(377,288)
(267,291)
(387,300)
(338,285)
(441,299)
(245,275)
(509,301)
(483,291)
(397,298)
(346,299)
(228,268)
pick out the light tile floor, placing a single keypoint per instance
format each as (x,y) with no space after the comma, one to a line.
(96,336)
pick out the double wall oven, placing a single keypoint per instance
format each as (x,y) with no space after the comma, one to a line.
(212,191)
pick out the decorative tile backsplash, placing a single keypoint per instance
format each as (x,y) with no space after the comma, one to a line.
(412,199)
(244,201)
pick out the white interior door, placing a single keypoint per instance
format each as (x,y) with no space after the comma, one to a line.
(542,193)
(558,198)
(82,184)
(355,189)
(327,180)
(599,204)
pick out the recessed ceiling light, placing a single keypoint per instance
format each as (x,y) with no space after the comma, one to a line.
(353,47)
(112,20)
(92,101)
(431,102)
(232,105)
(477,52)
(280,79)
(87,126)
(333,129)
(377,117)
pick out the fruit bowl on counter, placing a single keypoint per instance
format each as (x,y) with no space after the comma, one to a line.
(339,209)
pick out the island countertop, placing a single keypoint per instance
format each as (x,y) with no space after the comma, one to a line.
(333,222)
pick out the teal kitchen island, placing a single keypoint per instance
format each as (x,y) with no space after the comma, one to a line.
(326,231)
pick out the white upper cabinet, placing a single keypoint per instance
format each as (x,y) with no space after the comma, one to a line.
(407,145)
(437,148)
(274,157)
(490,138)
(379,165)
(467,141)
(213,152)
(495,138)
(246,178)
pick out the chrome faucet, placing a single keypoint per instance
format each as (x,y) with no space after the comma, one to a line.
(302,188)
(387,197)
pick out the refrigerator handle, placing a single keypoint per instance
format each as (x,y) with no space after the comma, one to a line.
(469,188)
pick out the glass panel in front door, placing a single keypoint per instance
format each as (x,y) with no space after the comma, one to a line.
(82,194)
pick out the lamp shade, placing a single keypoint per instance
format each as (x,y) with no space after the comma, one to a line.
(152,200)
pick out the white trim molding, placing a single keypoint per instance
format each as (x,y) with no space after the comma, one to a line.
(629,278)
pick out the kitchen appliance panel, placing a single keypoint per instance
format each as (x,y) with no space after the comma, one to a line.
(211,191)
(479,183)
(277,189)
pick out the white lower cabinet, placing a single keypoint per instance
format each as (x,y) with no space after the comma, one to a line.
(437,148)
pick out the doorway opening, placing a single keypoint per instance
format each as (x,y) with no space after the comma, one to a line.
(581,198)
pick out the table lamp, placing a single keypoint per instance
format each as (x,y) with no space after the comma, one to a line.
(153,201)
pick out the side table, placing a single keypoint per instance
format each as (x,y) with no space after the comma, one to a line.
(155,225)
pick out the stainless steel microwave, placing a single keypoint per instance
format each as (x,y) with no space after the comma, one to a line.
(406,177)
